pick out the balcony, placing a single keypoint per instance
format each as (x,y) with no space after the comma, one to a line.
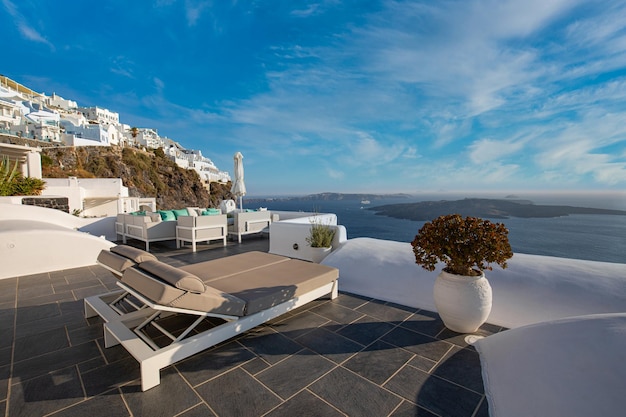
(351,356)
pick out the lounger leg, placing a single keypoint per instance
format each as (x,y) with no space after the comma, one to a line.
(109,339)
(89,311)
(335,291)
(150,377)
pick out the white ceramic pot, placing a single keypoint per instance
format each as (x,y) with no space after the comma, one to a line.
(318,254)
(463,302)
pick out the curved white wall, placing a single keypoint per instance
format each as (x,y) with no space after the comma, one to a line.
(102,226)
(31,247)
(532,289)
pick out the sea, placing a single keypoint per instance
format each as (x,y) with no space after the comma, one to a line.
(589,237)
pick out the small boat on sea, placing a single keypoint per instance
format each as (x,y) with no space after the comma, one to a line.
(365,202)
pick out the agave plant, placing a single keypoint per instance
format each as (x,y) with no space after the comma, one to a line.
(7,175)
(12,182)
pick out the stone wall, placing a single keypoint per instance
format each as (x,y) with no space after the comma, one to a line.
(58,203)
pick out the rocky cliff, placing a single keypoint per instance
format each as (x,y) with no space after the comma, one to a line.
(145,173)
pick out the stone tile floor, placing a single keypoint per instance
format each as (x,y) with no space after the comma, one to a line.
(352,356)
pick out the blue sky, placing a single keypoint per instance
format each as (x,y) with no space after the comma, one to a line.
(349,96)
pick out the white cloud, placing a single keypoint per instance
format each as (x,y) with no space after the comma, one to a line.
(24,28)
(493,150)
(194,10)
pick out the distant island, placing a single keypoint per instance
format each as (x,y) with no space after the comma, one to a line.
(332,197)
(486,208)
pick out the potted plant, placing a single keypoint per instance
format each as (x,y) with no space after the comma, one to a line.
(320,239)
(467,246)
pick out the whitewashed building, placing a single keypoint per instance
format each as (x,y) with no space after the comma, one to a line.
(90,134)
(100,115)
(60,103)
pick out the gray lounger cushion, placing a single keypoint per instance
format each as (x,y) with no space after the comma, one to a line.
(157,289)
(274,284)
(121,257)
(230,265)
(177,277)
(237,285)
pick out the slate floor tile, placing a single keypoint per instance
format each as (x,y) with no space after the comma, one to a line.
(337,313)
(433,393)
(354,395)
(157,401)
(385,312)
(110,376)
(418,343)
(333,346)
(236,394)
(255,366)
(5,355)
(294,373)
(46,393)
(110,405)
(407,409)
(31,346)
(422,363)
(270,345)
(28,314)
(378,362)
(352,301)
(113,353)
(86,333)
(462,366)
(5,373)
(365,330)
(201,410)
(295,326)
(305,404)
(206,365)
(52,361)
(424,322)
(29,301)
(38,326)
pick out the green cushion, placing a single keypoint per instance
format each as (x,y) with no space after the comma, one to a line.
(211,212)
(167,215)
(180,212)
(138,213)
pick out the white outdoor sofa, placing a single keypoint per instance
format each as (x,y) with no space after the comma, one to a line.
(240,292)
(196,229)
(148,228)
(249,222)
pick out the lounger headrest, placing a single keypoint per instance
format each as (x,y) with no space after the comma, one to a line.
(134,254)
(174,276)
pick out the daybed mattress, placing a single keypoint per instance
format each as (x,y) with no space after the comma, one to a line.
(237,285)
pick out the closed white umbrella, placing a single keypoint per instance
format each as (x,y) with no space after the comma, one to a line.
(239,187)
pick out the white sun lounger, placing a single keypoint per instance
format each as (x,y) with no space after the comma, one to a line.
(242,290)
(117,260)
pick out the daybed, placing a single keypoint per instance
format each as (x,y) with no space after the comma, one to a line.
(248,222)
(566,367)
(196,229)
(239,292)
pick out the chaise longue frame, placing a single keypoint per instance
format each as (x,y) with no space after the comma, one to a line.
(125,326)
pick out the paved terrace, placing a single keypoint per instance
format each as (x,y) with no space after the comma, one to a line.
(352,356)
